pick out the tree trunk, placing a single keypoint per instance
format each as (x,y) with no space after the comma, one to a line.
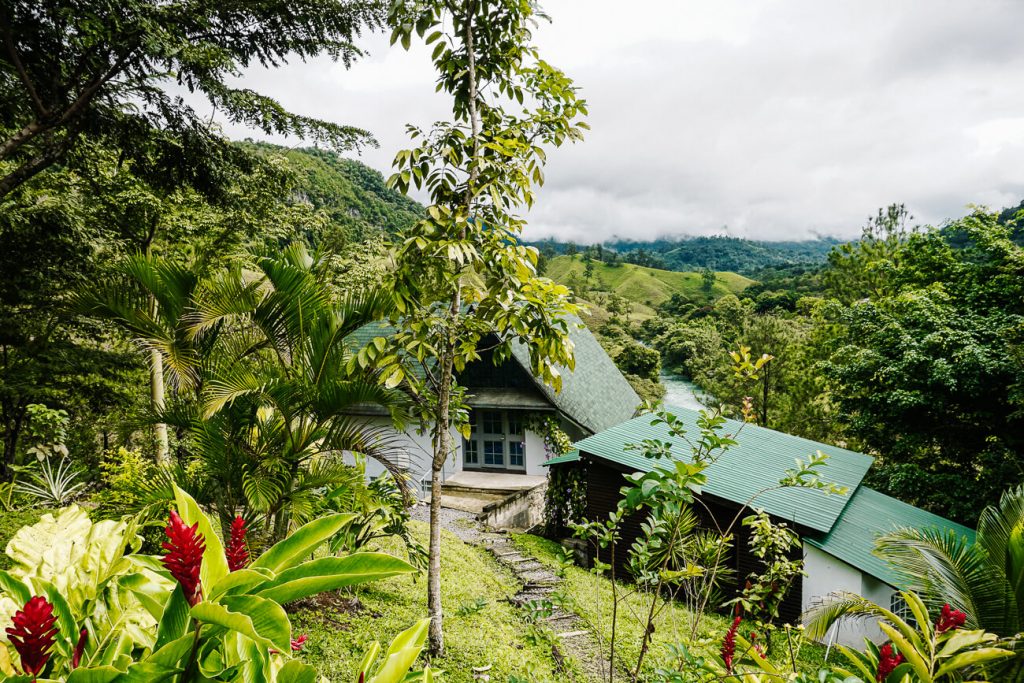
(434,569)
(442,446)
(156,378)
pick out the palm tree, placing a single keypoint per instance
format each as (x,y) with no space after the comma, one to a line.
(266,395)
(147,296)
(280,398)
(983,579)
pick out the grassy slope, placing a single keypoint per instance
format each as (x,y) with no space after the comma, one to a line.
(493,636)
(592,595)
(646,288)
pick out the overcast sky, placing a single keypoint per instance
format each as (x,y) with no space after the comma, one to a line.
(768,120)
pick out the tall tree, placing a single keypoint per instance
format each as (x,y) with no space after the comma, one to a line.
(929,376)
(462,275)
(108,68)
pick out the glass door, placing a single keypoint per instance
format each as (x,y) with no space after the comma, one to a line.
(497,441)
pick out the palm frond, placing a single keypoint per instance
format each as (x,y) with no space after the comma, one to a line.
(820,617)
(944,567)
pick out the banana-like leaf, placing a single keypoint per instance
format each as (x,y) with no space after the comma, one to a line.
(963,660)
(302,543)
(99,674)
(16,589)
(241,580)
(332,573)
(909,652)
(215,564)
(67,632)
(174,619)
(295,671)
(404,650)
(259,619)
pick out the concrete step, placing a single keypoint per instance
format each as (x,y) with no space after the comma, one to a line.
(573,634)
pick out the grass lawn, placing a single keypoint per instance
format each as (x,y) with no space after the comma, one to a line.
(493,636)
(593,597)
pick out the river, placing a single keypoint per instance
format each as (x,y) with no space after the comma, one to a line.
(681,392)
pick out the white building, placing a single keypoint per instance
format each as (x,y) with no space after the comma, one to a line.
(506,404)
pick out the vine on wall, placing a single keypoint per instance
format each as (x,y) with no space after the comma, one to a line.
(556,441)
(566,499)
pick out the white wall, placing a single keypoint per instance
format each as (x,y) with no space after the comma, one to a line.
(416,451)
(827,575)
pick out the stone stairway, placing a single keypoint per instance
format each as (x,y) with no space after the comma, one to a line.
(574,638)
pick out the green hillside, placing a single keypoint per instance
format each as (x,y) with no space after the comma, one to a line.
(355,197)
(644,288)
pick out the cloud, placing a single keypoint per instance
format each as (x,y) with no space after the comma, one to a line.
(779,120)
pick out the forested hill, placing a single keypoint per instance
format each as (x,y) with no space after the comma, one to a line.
(355,197)
(715,253)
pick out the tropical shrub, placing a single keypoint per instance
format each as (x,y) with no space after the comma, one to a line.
(87,608)
(929,651)
(983,579)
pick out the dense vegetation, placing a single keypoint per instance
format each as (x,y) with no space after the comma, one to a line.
(696,253)
(183,403)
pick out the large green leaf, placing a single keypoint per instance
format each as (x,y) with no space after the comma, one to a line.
(257,618)
(971,658)
(66,628)
(302,543)
(241,580)
(174,619)
(215,564)
(295,671)
(99,674)
(332,573)
(404,650)
(16,589)
(70,552)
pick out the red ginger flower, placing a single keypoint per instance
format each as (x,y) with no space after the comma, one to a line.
(887,661)
(185,547)
(237,552)
(299,643)
(32,634)
(950,619)
(729,644)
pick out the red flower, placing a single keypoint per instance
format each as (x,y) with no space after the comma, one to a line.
(887,661)
(32,634)
(184,558)
(237,551)
(299,643)
(729,644)
(83,638)
(950,619)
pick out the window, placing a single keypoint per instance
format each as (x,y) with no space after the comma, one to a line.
(515,425)
(515,453)
(470,451)
(493,422)
(497,440)
(494,452)
(899,607)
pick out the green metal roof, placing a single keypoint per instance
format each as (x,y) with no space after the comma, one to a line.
(868,515)
(571,456)
(757,463)
(595,395)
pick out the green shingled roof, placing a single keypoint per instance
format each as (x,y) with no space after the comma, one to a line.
(595,395)
(868,515)
(758,462)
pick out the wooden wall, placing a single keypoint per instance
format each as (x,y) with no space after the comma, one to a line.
(604,483)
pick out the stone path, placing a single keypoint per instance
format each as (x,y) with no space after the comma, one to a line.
(574,639)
